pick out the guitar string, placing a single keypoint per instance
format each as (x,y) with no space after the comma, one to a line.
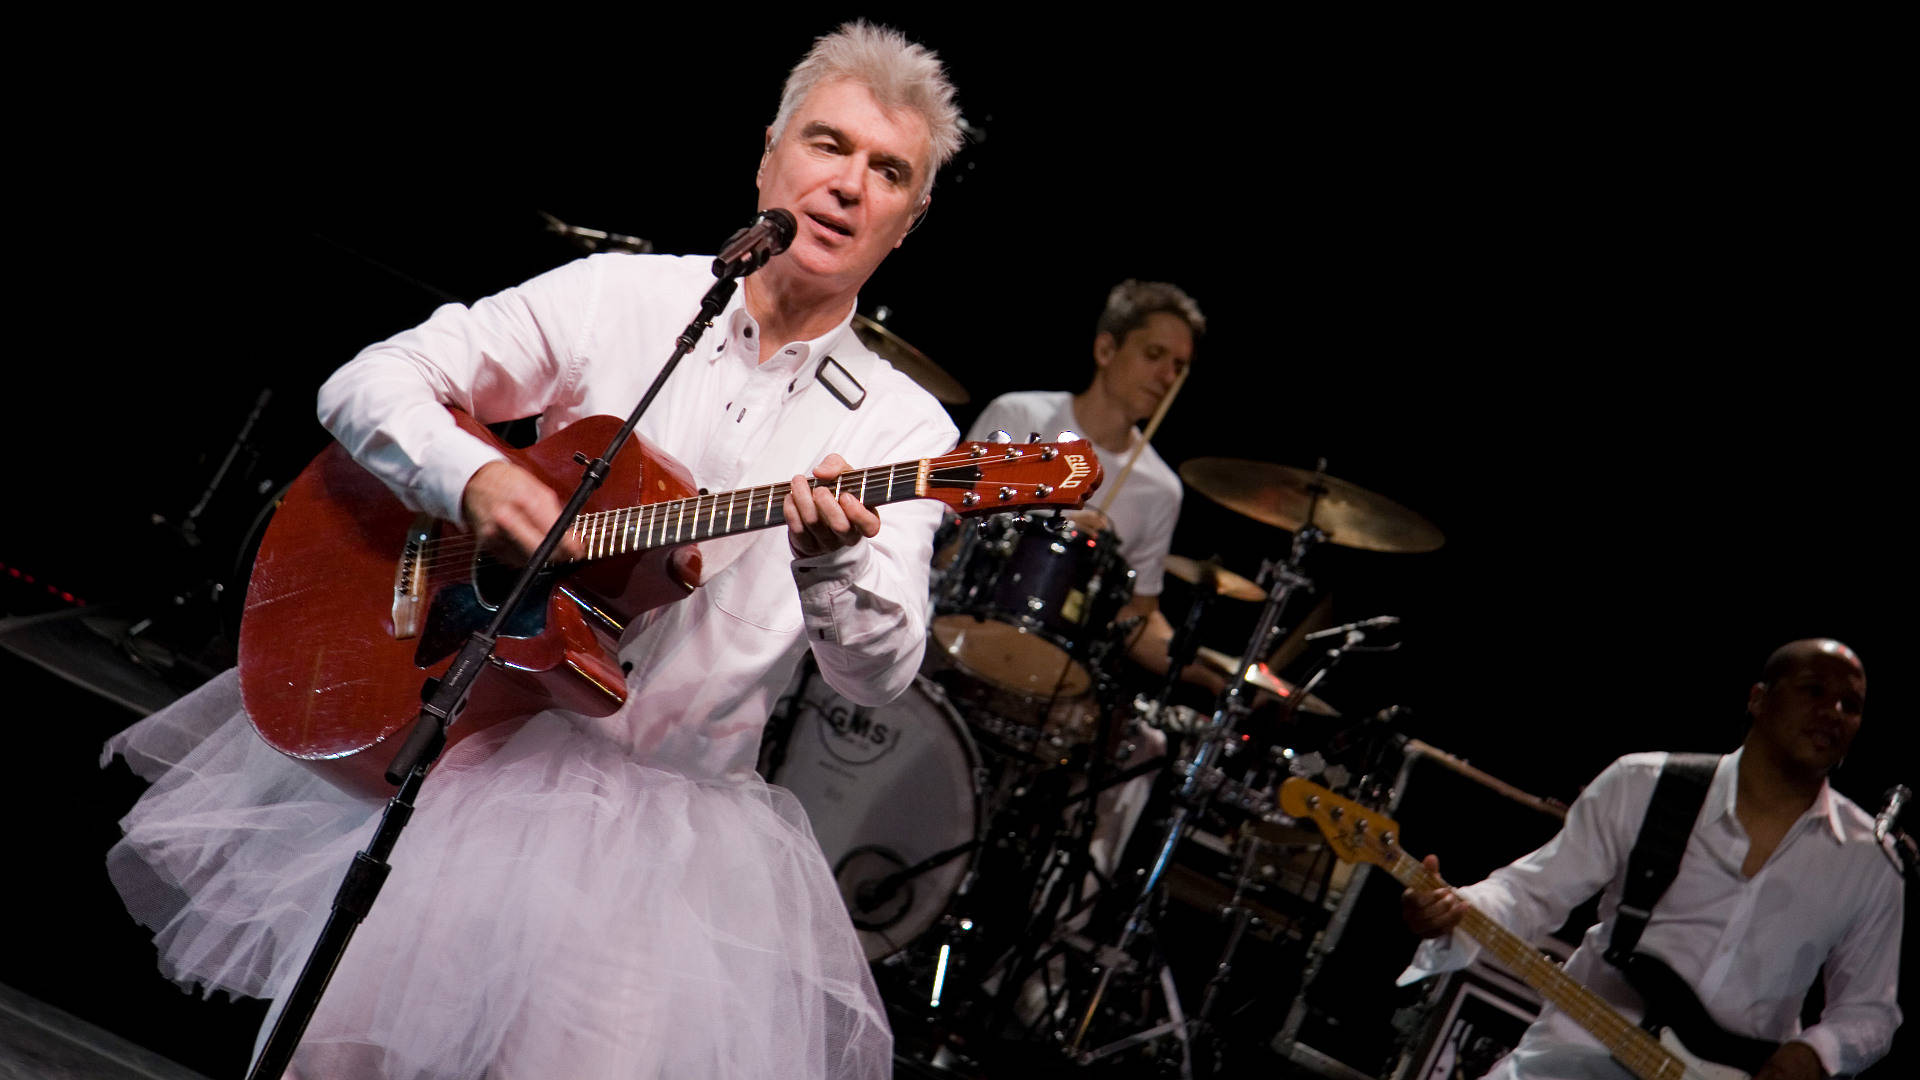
(942,463)
(1638,1049)
(449,558)
(434,554)
(596,523)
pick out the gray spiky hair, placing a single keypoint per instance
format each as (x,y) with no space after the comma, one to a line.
(899,74)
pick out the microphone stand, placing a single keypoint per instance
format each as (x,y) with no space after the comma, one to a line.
(446,696)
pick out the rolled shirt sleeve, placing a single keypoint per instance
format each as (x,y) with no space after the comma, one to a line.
(503,358)
(1534,895)
(1862,984)
(865,606)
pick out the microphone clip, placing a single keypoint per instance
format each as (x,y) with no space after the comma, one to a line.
(752,247)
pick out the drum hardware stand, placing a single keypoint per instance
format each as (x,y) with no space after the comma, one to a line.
(1282,579)
(176,613)
(444,698)
(1240,918)
(1286,1042)
(1062,879)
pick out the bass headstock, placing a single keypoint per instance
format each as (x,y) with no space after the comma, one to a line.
(990,477)
(1354,832)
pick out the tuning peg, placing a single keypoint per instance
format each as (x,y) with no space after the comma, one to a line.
(1067,436)
(1000,436)
(1033,436)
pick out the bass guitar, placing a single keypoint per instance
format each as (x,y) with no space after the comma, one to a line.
(355,601)
(1678,1040)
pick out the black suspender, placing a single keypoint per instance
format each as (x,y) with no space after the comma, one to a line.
(1655,860)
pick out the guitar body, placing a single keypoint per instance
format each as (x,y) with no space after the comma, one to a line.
(327,678)
(1673,1010)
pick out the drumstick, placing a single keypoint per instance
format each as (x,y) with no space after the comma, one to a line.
(1152,426)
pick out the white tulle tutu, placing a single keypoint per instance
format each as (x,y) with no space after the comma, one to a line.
(556,909)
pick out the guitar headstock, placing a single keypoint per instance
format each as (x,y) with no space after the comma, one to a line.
(1354,832)
(988,478)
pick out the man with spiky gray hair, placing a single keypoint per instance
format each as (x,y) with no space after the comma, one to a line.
(607,896)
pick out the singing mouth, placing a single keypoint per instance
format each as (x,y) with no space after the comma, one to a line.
(832,224)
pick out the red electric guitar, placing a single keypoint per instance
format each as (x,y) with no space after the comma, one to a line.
(355,601)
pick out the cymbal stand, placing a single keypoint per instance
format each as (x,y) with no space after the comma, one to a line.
(1282,580)
(1060,881)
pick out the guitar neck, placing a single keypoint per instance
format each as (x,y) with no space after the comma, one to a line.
(633,529)
(1639,1051)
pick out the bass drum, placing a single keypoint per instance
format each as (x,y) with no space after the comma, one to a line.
(886,788)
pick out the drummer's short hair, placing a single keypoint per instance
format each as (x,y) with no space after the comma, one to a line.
(1132,302)
(899,74)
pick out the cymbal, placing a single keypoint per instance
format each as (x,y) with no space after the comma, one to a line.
(1226,582)
(912,363)
(1261,677)
(1279,495)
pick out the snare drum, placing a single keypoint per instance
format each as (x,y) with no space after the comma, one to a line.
(1026,598)
(885,789)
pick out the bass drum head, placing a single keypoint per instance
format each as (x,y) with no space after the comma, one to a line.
(885,788)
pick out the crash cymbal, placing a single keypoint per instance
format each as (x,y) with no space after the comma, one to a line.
(1226,582)
(1281,496)
(911,361)
(1262,677)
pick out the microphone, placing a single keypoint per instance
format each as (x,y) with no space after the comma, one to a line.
(1363,624)
(1896,798)
(750,248)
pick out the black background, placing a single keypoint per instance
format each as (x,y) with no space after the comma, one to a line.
(1615,305)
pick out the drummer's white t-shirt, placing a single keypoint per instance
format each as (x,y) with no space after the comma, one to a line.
(1148,504)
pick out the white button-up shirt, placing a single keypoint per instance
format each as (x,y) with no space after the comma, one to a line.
(587,339)
(1749,947)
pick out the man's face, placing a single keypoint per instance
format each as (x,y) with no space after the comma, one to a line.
(1810,714)
(1141,369)
(850,172)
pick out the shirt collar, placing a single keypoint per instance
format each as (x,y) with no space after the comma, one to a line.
(1726,784)
(799,358)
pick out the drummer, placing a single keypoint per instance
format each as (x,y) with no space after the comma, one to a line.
(1142,345)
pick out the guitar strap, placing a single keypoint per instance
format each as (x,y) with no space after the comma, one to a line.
(1677,798)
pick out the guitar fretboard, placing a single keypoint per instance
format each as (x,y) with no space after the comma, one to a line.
(633,529)
(1639,1051)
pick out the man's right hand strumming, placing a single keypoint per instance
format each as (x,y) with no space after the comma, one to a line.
(509,510)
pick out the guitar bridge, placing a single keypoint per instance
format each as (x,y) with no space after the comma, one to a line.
(410,581)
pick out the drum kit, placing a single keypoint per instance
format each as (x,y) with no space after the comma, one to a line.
(972,823)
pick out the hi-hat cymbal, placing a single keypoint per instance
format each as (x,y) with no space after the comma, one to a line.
(911,361)
(1282,496)
(1260,677)
(1226,582)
